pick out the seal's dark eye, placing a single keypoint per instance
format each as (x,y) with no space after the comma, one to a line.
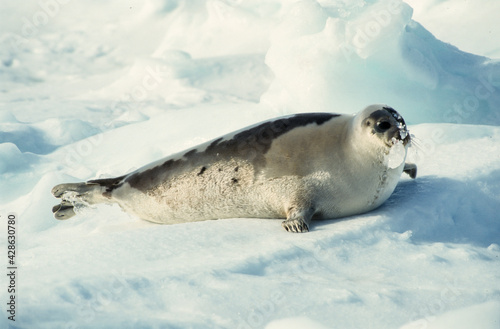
(383,125)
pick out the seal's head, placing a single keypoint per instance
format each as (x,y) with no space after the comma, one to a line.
(384,123)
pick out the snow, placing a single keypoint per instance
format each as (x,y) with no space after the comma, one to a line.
(489,313)
(456,22)
(97,89)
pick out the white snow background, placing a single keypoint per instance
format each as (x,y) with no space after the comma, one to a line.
(94,89)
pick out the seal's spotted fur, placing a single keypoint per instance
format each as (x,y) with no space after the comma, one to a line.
(320,165)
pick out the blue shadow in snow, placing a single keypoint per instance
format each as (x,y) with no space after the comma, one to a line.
(444,210)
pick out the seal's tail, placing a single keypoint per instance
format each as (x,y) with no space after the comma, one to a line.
(82,194)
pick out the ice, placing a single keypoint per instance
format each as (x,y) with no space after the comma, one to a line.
(403,133)
(97,89)
(397,154)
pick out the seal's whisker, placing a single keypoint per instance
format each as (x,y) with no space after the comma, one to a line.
(417,143)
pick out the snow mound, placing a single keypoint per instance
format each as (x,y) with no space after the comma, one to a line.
(456,23)
(338,58)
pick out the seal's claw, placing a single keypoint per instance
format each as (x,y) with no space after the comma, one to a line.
(411,170)
(295,225)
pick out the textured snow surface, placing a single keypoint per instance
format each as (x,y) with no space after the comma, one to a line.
(97,89)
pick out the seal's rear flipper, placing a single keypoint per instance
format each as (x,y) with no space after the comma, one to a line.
(83,194)
(411,170)
(76,189)
(73,194)
(64,210)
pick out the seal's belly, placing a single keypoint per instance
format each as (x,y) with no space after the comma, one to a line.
(223,189)
(230,189)
(346,196)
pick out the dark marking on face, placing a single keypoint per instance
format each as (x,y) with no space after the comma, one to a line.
(249,145)
(236,169)
(387,122)
(234,180)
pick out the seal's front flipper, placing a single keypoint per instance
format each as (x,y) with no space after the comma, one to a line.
(296,225)
(411,170)
(298,220)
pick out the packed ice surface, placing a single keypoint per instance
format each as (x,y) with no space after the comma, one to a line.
(97,89)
